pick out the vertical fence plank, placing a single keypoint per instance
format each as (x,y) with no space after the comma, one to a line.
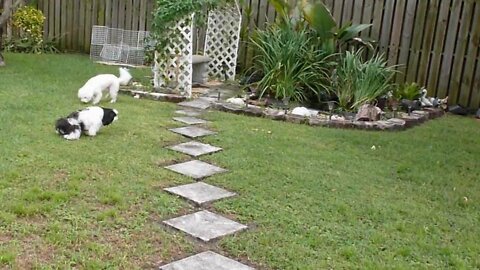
(438,45)
(51,19)
(128,15)
(337,11)
(63,25)
(143,11)
(88,25)
(417,39)
(460,52)
(358,11)
(148,14)
(135,14)
(425,53)
(475,100)
(447,61)
(347,11)
(377,19)
(121,14)
(406,39)
(81,25)
(397,24)
(467,97)
(56,33)
(108,13)
(386,29)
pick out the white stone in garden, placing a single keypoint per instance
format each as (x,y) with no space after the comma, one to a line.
(236,101)
(205,225)
(200,192)
(302,111)
(207,260)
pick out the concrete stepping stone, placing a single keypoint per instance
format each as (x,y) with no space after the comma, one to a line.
(195,149)
(205,225)
(189,120)
(188,112)
(192,131)
(196,169)
(200,192)
(196,103)
(207,260)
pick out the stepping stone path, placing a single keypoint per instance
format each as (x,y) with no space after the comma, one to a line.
(190,120)
(204,225)
(192,131)
(196,169)
(188,112)
(200,192)
(207,260)
(195,148)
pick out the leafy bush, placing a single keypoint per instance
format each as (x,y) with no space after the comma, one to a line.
(410,91)
(357,82)
(29,23)
(294,68)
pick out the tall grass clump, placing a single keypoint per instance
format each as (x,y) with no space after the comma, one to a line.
(294,67)
(356,82)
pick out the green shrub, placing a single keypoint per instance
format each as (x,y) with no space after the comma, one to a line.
(357,82)
(28,22)
(410,91)
(294,68)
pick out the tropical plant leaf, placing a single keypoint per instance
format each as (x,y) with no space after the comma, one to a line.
(319,18)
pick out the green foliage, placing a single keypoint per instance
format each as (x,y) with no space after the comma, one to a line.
(29,23)
(315,15)
(168,12)
(293,67)
(410,91)
(356,82)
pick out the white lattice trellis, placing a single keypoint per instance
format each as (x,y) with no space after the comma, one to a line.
(221,41)
(173,65)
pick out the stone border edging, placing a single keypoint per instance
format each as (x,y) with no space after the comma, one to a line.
(394,124)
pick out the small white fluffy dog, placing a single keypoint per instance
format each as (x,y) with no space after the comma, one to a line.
(89,120)
(94,87)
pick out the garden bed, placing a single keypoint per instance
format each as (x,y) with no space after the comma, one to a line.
(401,122)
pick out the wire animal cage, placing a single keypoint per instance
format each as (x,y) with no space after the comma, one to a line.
(118,46)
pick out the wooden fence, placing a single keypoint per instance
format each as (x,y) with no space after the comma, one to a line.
(434,42)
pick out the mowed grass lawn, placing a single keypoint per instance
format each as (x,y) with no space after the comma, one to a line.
(314,198)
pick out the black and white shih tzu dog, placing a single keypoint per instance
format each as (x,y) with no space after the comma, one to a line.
(89,121)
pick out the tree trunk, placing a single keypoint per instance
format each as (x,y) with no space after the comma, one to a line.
(8,8)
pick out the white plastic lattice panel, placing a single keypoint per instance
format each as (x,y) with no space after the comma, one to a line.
(221,42)
(116,45)
(173,65)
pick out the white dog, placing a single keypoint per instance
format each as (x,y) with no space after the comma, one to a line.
(93,88)
(89,120)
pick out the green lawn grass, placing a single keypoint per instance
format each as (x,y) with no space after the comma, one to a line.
(314,198)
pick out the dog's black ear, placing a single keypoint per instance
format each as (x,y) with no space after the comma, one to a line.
(62,126)
(109,116)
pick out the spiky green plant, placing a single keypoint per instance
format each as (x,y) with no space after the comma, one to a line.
(294,67)
(357,82)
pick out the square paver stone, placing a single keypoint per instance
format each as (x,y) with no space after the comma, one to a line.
(200,192)
(190,120)
(205,225)
(196,169)
(188,112)
(195,148)
(197,104)
(207,260)
(192,131)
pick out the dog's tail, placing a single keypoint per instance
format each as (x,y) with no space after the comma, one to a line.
(125,76)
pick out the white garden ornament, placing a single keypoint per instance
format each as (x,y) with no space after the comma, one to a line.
(173,65)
